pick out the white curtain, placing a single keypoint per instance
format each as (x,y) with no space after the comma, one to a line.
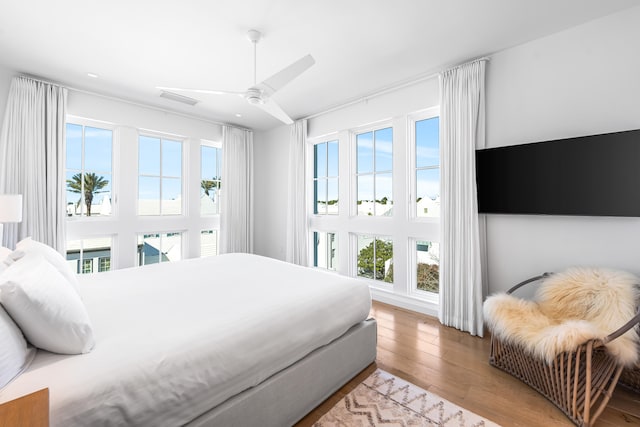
(297,233)
(236,210)
(32,160)
(462,118)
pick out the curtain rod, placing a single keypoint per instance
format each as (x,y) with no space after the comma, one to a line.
(138,104)
(393,87)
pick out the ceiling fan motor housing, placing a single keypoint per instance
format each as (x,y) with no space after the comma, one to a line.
(254,96)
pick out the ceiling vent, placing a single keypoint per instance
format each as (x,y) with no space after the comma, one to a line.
(178,98)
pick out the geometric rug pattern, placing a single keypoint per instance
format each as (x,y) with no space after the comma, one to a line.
(386,400)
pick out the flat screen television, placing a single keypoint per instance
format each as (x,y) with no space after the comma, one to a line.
(596,175)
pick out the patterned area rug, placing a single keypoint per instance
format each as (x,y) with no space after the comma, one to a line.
(384,400)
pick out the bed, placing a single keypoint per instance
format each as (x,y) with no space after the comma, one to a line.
(232,340)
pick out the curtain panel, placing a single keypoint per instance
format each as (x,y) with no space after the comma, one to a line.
(462,129)
(32,160)
(236,195)
(297,233)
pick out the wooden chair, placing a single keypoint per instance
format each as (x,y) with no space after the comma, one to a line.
(579,382)
(630,377)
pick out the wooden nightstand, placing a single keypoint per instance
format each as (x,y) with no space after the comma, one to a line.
(31,410)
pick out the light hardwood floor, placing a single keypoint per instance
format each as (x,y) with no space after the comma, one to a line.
(455,365)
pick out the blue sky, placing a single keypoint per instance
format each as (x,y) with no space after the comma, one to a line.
(160,162)
(427,155)
(97,156)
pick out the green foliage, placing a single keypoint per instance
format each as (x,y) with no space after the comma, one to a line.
(92,185)
(209,184)
(389,277)
(429,277)
(374,268)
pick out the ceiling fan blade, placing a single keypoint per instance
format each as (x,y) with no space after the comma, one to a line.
(205,91)
(284,76)
(274,109)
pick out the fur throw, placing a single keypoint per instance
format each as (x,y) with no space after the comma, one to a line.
(569,309)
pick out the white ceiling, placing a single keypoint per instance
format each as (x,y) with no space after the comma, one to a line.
(360,46)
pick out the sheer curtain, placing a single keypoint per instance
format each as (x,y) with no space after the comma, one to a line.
(297,213)
(32,159)
(236,210)
(462,119)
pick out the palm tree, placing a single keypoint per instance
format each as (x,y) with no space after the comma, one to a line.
(92,185)
(209,184)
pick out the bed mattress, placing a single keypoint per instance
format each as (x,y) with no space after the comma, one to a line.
(175,340)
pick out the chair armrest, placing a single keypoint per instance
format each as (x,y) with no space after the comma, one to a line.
(533,279)
(624,328)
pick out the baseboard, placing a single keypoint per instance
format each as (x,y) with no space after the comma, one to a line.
(405,301)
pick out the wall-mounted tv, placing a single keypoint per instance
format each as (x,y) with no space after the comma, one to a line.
(596,175)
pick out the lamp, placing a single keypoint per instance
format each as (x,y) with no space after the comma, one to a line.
(10,210)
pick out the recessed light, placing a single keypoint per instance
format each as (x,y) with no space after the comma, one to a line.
(238,115)
(92,75)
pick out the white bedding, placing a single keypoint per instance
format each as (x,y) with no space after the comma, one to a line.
(175,340)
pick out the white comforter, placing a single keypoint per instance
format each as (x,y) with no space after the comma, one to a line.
(175,340)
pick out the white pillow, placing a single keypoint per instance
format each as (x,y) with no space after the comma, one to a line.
(4,253)
(15,356)
(30,246)
(49,312)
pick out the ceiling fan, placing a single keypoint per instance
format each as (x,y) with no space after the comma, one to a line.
(260,93)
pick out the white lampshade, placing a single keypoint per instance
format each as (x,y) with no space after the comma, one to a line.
(10,208)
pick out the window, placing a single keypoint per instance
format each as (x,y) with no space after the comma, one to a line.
(428,263)
(210,172)
(427,172)
(156,248)
(154,188)
(375,258)
(393,189)
(104,263)
(89,171)
(160,176)
(374,172)
(208,243)
(89,255)
(324,254)
(325,178)
(87,266)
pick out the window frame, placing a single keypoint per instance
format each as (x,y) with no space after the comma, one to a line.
(183,176)
(80,121)
(81,251)
(218,147)
(353,170)
(403,228)
(413,267)
(373,282)
(160,234)
(210,231)
(315,253)
(326,178)
(412,119)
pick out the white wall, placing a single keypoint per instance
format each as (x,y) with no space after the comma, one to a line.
(137,116)
(5,82)
(123,113)
(582,81)
(271,164)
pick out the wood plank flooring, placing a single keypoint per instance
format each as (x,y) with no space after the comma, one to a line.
(455,365)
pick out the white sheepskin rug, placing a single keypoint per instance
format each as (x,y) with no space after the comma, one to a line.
(569,309)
